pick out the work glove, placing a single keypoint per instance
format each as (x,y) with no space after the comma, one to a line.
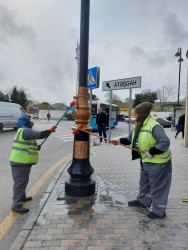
(114,142)
(53,129)
(148,155)
(39,147)
(73,103)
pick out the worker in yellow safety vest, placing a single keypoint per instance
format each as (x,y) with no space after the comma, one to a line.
(24,154)
(156,167)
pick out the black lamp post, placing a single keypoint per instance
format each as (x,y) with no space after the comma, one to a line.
(178,54)
(81,183)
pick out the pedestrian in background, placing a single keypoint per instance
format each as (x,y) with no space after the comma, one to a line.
(181,126)
(155,165)
(24,154)
(48,116)
(101,121)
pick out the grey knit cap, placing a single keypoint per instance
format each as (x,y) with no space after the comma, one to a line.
(143,109)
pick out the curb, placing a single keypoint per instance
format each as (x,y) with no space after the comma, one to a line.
(27,228)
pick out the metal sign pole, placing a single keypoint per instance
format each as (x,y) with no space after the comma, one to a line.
(90,103)
(186,114)
(130,104)
(90,109)
(110,116)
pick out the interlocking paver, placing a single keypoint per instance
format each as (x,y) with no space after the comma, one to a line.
(51,243)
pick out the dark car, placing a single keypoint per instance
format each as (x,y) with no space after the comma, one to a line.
(70,115)
(169,118)
(120,117)
(164,122)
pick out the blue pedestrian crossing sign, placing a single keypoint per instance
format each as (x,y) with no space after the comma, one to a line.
(93,78)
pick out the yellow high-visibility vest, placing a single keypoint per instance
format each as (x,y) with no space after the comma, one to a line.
(24,151)
(147,141)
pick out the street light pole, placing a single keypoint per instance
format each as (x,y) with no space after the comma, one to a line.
(186,112)
(180,60)
(178,54)
(80,183)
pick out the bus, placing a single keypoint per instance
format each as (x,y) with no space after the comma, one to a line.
(105,108)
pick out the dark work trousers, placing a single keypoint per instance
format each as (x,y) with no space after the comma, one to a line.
(180,129)
(20,176)
(155,182)
(102,130)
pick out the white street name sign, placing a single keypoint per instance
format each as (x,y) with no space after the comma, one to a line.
(127,83)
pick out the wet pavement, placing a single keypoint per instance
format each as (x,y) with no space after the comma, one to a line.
(104,221)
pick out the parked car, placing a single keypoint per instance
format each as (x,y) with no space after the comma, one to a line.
(121,117)
(164,122)
(169,118)
(132,119)
(35,116)
(70,115)
(9,114)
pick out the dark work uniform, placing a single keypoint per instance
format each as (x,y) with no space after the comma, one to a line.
(181,125)
(101,123)
(155,178)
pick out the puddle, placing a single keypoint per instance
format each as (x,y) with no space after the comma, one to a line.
(115,198)
(104,201)
(104,197)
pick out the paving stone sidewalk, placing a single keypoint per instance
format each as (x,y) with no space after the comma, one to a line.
(104,221)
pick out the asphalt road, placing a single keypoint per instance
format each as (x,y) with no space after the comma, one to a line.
(55,149)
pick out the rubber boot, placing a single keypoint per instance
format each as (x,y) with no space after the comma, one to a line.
(17,207)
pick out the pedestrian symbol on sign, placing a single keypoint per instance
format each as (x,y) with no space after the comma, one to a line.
(91,78)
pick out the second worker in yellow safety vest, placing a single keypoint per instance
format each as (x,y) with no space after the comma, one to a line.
(24,154)
(156,167)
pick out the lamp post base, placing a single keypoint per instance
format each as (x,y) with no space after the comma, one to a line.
(80,188)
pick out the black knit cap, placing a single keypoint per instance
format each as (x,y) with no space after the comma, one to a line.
(143,109)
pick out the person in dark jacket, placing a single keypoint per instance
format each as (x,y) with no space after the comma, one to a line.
(155,161)
(24,154)
(48,116)
(181,126)
(101,121)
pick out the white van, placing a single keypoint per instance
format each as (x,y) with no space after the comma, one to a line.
(9,114)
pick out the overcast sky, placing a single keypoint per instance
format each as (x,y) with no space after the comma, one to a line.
(38,41)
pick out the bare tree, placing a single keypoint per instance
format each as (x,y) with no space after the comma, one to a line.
(116,100)
(165,94)
(114,97)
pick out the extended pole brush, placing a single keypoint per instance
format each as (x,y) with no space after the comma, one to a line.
(80,129)
(73,103)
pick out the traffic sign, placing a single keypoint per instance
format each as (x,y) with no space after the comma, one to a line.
(93,78)
(127,83)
